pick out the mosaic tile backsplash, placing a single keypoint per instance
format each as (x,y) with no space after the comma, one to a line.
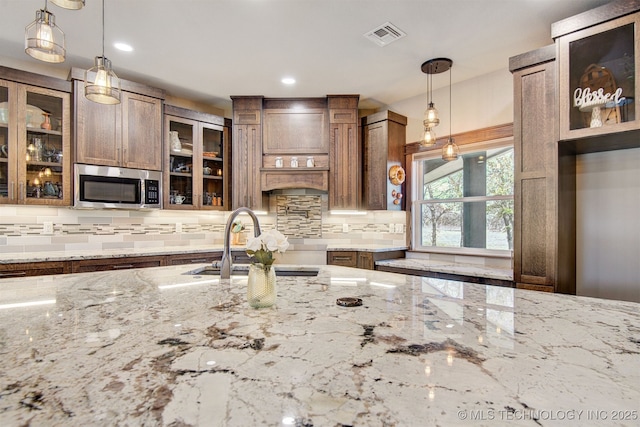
(26,228)
(299,216)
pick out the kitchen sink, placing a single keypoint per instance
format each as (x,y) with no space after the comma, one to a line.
(243,270)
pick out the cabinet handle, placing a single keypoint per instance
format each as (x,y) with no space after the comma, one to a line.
(12,190)
(194,261)
(342,258)
(13,274)
(116,267)
(22,194)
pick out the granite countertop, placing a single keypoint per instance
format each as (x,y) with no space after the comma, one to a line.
(18,257)
(156,347)
(365,247)
(448,267)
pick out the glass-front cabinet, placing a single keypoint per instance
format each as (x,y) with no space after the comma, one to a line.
(598,79)
(34,145)
(196,176)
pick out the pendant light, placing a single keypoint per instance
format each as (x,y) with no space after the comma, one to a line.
(43,40)
(101,84)
(450,151)
(431,119)
(69,4)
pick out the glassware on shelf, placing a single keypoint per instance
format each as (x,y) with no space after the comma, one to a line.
(176,145)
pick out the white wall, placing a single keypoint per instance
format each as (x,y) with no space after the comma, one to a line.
(608,225)
(478,103)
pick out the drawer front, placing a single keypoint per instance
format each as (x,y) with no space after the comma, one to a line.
(183,259)
(86,266)
(343,258)
(33,269)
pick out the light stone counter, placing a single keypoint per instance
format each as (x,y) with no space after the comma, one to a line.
(437,266)
(19,257)
(365,247)
(156,347)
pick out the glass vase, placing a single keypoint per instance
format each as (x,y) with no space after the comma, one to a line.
(261,286)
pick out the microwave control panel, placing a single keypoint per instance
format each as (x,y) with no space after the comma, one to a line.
(152,192)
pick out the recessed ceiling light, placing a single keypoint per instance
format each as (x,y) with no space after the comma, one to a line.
(288,80)
(123,47)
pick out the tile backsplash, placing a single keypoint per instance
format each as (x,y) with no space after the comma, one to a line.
(299,216)
(26,228)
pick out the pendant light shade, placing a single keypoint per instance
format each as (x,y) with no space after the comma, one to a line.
(428,137)
(431,118)
(101,84)
(69,4)
(43,40)
(450,151)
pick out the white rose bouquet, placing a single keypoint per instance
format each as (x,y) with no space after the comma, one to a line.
(263,247)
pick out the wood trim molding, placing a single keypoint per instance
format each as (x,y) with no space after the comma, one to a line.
(592,17)
(34,79)
(465,138)
(531,58)
(126,85)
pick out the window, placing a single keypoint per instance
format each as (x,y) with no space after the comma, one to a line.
(464,206)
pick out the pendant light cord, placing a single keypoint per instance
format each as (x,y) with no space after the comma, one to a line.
(103,29)
(450,102)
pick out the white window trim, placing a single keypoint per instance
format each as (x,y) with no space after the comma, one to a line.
(417,200)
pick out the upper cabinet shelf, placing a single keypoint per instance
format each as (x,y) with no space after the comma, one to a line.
(598,73)
(197,151)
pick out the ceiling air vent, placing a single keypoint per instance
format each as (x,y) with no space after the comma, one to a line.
(385,34)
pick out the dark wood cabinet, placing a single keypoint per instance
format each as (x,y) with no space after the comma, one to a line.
(35,137)
(598,76)
(16,270)
(197,160)
(110,264)
(128,134)
(384,138)
(194,258)
(361,259)
(271,134)
(345,156)
(27,269)
(343,258)
(247,153)
(536,171)
(595,50)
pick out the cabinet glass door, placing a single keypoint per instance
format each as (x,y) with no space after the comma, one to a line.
(212,166)
(44,174)
(602,71)
(598,73)
(181,180)
(4,145)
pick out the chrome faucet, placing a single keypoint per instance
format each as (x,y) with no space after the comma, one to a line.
(225,266)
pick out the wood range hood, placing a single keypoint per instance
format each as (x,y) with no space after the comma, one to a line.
(294,130)
(295,144)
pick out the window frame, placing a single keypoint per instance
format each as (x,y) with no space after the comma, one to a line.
(417,199)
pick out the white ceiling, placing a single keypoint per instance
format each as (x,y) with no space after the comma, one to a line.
(207,50)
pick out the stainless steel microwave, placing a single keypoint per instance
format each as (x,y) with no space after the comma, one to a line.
(116,188)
